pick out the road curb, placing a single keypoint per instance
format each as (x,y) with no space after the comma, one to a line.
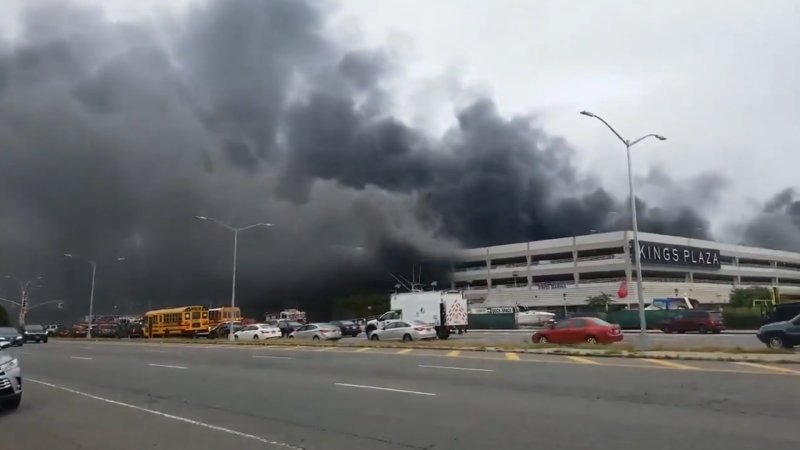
(773,358)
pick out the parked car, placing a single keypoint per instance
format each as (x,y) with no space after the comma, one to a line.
(348,327)
(317,332)
(10,378)
(784,334)
(579,329)
(404,331)
(11,335)
(694,320)
(35,333)
(222,330)
(780,313)
(288,326)
(257,331)
(51,330)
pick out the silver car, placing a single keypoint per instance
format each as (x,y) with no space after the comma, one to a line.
(318,332)
(404,331)
(10,378)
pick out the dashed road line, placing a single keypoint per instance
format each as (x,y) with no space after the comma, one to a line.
(168,366)
(772,368)
(470,369)
(273,357)
(85,358)
(378,388)
(363,349)
(209,426)
(404,351)
(511,356)
(583,360)
(671,364)
(324,349)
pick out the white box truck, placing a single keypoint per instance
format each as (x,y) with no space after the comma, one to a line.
(444,310)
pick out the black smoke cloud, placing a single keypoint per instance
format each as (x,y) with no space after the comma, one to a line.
(778,224)
(113,136)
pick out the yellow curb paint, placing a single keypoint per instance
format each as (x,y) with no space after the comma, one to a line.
(583,360)
(670,364)
(363,349)
(766,367)
(512,356)
(454,353)
(405,351)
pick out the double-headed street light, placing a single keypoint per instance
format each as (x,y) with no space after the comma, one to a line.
(91,294)
(235,251)
(639,289)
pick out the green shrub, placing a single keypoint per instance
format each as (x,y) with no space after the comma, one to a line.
(742,318)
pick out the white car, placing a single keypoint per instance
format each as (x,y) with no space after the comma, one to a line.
(10,378)
(257,331)
(404,331)
(317,332)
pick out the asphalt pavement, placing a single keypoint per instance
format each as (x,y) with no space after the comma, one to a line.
(746,340)
(120,395)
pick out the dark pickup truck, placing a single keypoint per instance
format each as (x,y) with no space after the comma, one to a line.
(34,333)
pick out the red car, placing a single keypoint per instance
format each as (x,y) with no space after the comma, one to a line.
(590,330)
(695,320)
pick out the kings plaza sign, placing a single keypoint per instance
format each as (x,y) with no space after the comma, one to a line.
(676,255)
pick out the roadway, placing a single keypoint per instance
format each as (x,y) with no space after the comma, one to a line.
(121,395)
(746,340)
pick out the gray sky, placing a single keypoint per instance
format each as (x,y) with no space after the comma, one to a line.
(716,77)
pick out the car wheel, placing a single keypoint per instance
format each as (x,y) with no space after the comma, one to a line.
(591,340)
(315,338)
(12,403)
(374,337)
(255,337)
(717,331)
(370,330)
(775,342)
(666,330)
(235,337)
(44,340)
(543,340)
(702,329)
(407,338)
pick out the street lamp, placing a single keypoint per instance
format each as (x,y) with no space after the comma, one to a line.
(24,293)
(639,289)
(91,294)
(235,250)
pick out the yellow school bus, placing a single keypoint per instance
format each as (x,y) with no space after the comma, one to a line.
(182,321)
(217,316)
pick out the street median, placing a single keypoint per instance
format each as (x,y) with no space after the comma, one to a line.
(707,353)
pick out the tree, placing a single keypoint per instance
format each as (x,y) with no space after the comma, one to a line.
(600,302)
(4,320)
(743,297)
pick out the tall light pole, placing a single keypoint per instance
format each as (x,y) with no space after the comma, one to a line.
(235,250)
(639,288)
(91,294)
(24,292)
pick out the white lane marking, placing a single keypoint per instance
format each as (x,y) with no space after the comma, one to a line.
(81,357)
(378,388)
(455,368)
(167,366)
(169,416)
(88,348)
(24,352)
(772,368)
(153,351)
(273,357)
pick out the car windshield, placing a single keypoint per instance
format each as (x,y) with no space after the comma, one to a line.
(34,328)
(8,330)
(344,322)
